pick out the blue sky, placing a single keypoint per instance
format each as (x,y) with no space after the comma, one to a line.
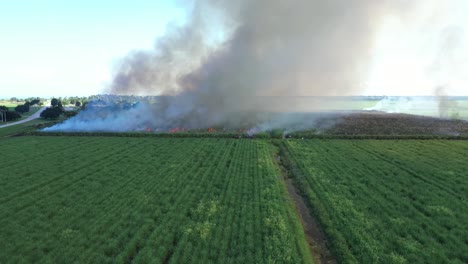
(65,48)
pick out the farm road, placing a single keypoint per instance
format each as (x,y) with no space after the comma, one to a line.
(29,118)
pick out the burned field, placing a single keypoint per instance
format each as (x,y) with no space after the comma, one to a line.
(381,123)
(177,197)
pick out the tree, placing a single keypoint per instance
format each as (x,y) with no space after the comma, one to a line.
(51,113)
(35,101)
(22,108)
(54,102)
(12,115)
(83,104)
(77,103)
(70,113)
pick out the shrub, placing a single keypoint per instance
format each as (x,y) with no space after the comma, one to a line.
(51,113)
(11,115)
(22,108)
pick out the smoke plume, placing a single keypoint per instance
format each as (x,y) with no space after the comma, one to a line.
(446,65)
(233,59)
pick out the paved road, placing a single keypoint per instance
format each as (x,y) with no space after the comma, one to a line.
(29,118)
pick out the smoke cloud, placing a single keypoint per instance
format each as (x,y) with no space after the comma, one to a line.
(446,65)
(233,59)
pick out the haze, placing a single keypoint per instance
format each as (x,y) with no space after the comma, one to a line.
(57,48)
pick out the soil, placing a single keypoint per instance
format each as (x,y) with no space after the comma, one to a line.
(318,243)
(316,239)
(380,123)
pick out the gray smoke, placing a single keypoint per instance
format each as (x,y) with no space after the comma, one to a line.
(444,104)
(233,58)
(445,66)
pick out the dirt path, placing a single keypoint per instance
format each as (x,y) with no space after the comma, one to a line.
(318,243)
(37,114)
(315,237)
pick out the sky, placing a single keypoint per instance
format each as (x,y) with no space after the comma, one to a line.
(418,54)
(70,48)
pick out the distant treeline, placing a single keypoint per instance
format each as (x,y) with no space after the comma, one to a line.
(19,109)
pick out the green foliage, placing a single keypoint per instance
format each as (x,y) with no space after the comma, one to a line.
(145,200)
(52,112)
(54,102)
(387,201)
(276,133)
(70,113)
(23,108)
(83,104)
(10,115)
(34,102)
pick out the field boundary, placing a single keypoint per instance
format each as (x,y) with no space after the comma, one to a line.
(242,135)
(316,238)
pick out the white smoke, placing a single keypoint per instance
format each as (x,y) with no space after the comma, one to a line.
(268,48)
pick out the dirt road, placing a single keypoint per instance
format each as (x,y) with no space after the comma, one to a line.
(29,118)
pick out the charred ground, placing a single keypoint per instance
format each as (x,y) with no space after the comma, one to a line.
(359,124)
(386,125)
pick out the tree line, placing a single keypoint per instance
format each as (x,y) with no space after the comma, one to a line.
(18,110)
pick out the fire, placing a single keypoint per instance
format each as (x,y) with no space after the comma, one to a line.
(176,129)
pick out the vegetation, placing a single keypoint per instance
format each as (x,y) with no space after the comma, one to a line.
(386,201)
(396,124)
(23,108)
(110,199)
(10,115)
(55,110)
(54,102)
(16,111)
(27,127)
(384,189)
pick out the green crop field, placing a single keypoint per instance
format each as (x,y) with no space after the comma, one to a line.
(25,127)
(158,200)
(387,201)
(144,198)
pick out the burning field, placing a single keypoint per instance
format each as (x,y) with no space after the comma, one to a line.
(152,115)
(234,66)
(112,184)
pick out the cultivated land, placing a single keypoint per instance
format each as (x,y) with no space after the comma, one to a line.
(143,197)
(93,199)
(386,201)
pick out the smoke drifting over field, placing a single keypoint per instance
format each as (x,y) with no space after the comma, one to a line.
(215,70)
(276,48)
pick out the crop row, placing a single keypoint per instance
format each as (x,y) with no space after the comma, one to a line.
(109,199)
(387,201)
